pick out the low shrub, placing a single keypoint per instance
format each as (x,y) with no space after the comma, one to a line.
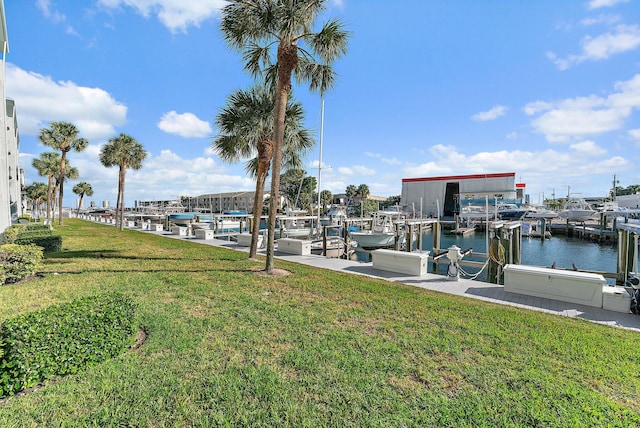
(63,339)
(26,217)
(11,233)
(50,244)
(19,261)
(38,226)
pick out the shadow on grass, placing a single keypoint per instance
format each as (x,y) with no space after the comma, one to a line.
(80,272)
(113,254)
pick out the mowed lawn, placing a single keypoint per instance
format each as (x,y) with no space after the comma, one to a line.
(228,347)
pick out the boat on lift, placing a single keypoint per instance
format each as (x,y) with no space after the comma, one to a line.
(577,210)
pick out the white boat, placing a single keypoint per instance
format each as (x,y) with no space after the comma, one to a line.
(578,210)
(511,212)
(382,233)
(539,211)
(335,247)
(295,226)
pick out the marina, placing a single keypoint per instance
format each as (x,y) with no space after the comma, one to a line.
(463,287)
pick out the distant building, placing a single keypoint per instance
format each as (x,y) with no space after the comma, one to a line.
(446,195)
(221,202)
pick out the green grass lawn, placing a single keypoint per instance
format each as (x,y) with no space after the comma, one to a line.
(227,347)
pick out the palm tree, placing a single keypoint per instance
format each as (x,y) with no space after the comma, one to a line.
(246,131)
(363,192)
(71,173)
(125,152)
(277,40)
(62,136)
(350,192)
(37,192)
(48,165)
(325,198)
(81,189)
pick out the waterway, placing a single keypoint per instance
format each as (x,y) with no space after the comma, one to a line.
(564,251)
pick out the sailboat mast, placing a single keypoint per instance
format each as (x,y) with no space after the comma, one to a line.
(320,160)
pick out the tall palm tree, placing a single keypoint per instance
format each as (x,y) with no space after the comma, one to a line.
(246,131)
(125,152)
(277,40)
(350,192)
(81,189)
(69,173)
(62,136)
(48,165)
(37,192)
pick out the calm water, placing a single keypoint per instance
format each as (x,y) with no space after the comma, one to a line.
(559,249)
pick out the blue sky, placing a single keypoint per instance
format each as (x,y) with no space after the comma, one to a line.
(549,90)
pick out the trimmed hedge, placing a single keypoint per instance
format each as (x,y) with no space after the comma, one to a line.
(11,233)
(19,261)
(63,339)
(50,244)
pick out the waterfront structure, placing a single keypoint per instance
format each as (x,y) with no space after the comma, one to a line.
(445,195)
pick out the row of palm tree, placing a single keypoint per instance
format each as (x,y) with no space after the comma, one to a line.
(277,41)
(122,151)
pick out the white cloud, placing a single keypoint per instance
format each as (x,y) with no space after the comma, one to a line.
(163,176)
(572,118)
(363,170)
(176,15)
(41,100)
(588,148)
(596,4)
(624,38)
(53,15)
(186,125)
(492,114)
(384,159)
(539,169)
(345,171)
(635,134)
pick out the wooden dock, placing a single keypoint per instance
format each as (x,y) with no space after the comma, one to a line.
(464,231)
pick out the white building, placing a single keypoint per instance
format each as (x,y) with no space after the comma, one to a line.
(5,149)
(444,196)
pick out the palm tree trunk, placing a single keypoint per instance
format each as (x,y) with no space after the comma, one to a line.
(49,189)
(63,161)
(265,152)
(79,204)
(121,186)
(287,61)
(119,193)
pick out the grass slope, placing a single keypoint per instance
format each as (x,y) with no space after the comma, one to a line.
(227,347)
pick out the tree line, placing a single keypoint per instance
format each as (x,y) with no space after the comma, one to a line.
(122,151)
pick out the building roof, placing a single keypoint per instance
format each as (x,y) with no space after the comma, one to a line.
(461,177)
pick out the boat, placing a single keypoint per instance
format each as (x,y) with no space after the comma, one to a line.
(539,211)
(182,219)
(295,226)
(335,246)
(577,210)
(382,233)
(511,212)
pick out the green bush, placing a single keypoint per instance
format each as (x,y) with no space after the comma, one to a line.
(19,261)
(50,244)
(11,233)
(63,339)
(38,226)
(26,217)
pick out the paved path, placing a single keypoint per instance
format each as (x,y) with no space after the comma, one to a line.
(464,287)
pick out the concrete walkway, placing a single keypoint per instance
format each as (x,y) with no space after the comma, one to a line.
(464,287)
